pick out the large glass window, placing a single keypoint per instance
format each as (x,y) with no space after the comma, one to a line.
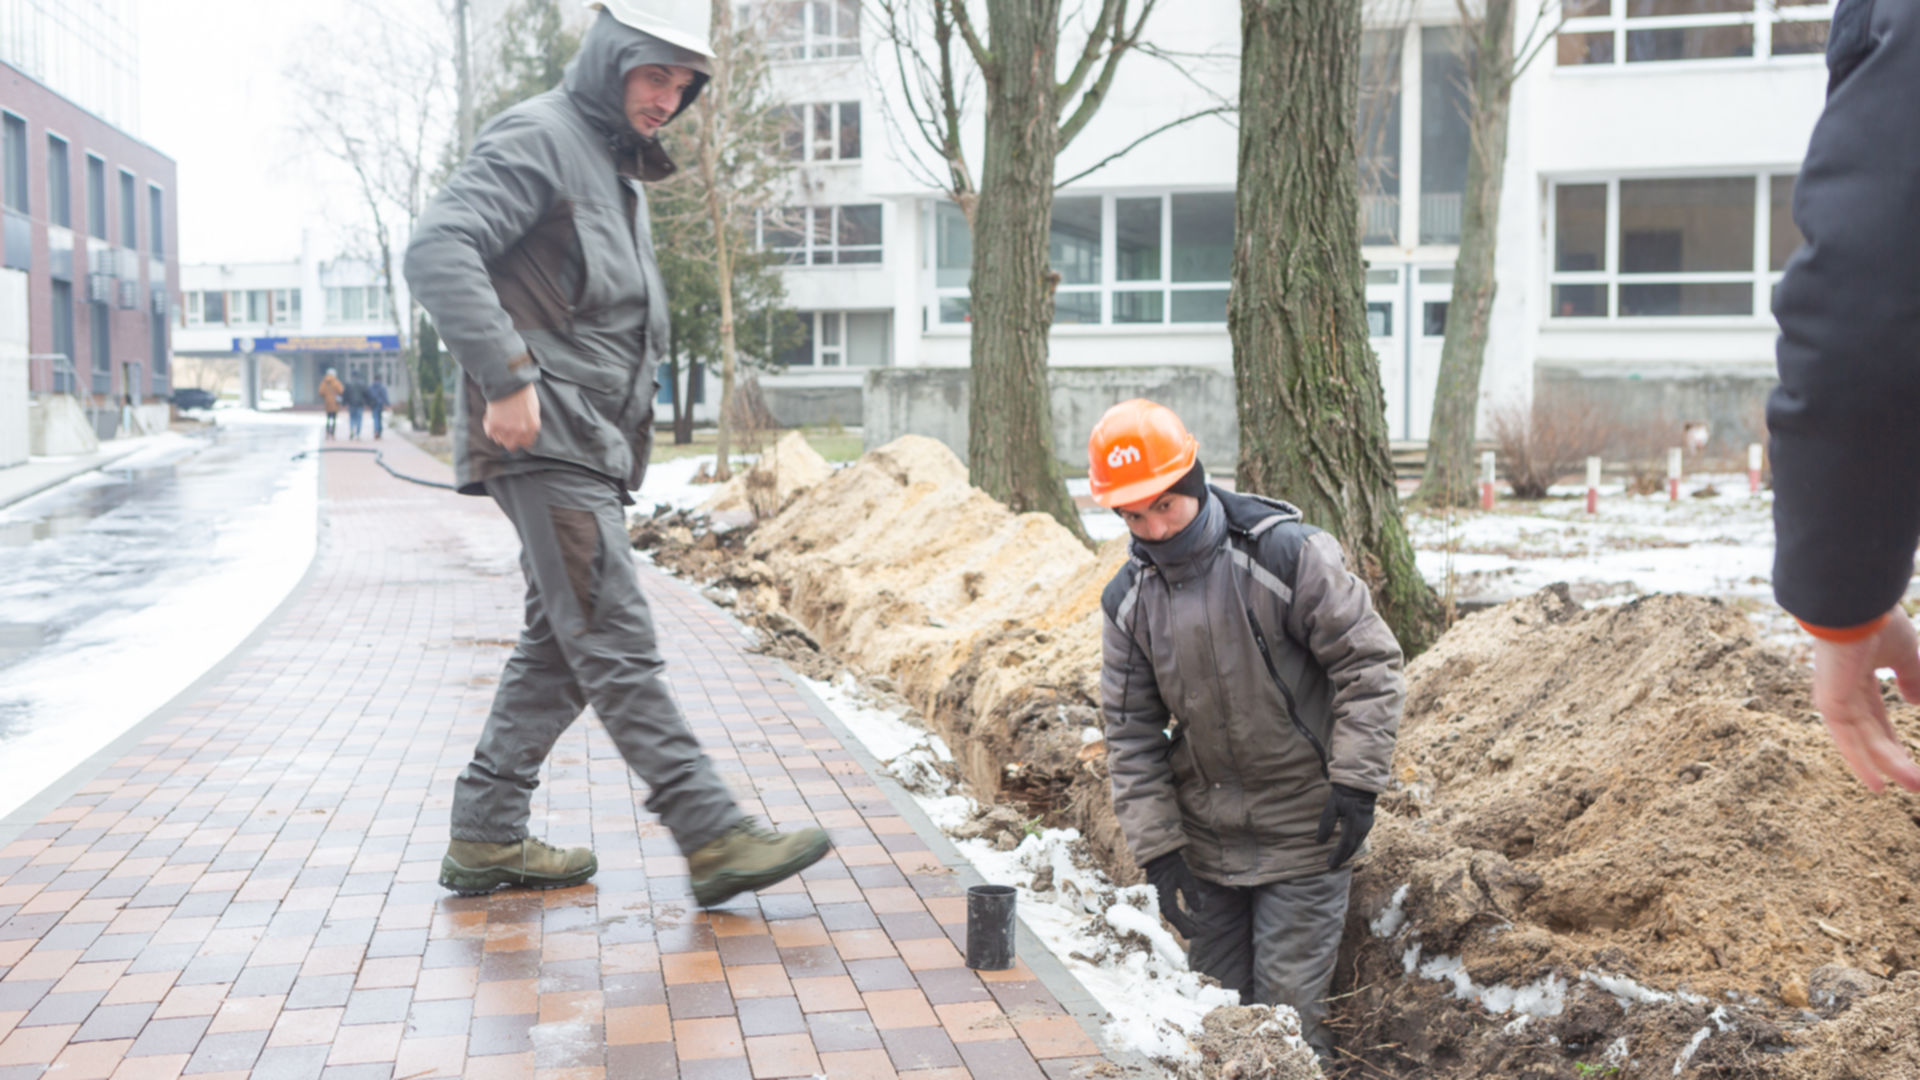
(129,213)
(1171,261)
(1656,31)
(157,218)
(96,196)
(214,306)
(59,183)
(824,235)
(63,366)
(813,29)
(100,333)
(13,161)
(828,131)
(1444,138)
(1380,136)
(1662,248)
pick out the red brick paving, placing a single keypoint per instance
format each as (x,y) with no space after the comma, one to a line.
(251,890)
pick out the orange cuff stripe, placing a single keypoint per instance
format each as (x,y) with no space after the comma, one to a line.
(1845,635)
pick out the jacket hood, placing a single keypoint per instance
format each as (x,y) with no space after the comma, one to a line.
(596,79)
(1186,552)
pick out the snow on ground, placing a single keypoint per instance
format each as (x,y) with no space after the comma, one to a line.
(671,483)
(162,638)
(1712,543)
(1108,938)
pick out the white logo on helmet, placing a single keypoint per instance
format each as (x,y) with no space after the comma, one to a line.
(1123,455)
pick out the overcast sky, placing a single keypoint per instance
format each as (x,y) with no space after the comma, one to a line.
(214,98)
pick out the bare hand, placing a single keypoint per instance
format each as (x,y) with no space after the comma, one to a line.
(1847,693)
(514,421)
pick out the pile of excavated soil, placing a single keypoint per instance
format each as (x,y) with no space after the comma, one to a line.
(1639,792)
(985,621)
(763,490)
(1248,1042)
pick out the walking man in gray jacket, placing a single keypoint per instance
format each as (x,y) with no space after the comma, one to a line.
(536,262)
(1252,695)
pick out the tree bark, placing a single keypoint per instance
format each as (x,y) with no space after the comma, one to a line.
(1313,422)
(1010,415)
(1449,474)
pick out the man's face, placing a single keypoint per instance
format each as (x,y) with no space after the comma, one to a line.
(1160,517)
(654,92)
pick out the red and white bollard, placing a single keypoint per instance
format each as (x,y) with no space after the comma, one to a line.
(1673,474)
(1754,460)
(1593,485)
(1486,480)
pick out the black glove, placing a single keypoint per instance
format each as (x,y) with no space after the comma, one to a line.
(1353,809)
(1170,878)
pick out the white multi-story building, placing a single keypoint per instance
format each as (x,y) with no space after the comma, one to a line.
(1650,168)
(313,314)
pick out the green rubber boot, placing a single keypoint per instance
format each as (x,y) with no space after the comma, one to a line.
(471,868)
(751,856)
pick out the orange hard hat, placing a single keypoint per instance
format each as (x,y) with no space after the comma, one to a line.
(1138,450)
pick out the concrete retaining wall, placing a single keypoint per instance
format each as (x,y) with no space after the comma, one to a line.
(933,402)
(57,425)
(813,406)
(1649,408)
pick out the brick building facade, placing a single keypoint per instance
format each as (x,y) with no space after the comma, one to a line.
(90,215)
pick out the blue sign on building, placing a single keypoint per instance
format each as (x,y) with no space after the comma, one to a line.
(366,343)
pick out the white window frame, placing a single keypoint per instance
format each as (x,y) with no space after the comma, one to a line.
(281,303)
(829,355)
(1109,283)
(813,150)
(193,308)
(818,42)
(818,238)
(1763,17)
(1760,276)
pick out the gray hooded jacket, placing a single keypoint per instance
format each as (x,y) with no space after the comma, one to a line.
(536,263)
(1205,751)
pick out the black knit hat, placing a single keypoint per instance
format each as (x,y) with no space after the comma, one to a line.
(1193,482)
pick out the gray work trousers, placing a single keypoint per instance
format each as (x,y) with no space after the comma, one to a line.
(589,639)
(1276,944)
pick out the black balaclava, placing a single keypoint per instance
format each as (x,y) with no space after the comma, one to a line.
(1193,482)
(596,79)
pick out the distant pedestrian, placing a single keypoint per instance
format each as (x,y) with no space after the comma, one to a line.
(1846,453)
(330,393)
(554,420)
(356,406)
(379,402)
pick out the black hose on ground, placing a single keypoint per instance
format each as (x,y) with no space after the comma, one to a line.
(380,459)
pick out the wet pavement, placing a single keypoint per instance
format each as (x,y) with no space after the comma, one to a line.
(90,568)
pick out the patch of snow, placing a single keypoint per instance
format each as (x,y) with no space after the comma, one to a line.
(1625,990)
(1091,735)
(1686,1055)
(1393,916)
(670,483)
(1543,997)
(1616,1054)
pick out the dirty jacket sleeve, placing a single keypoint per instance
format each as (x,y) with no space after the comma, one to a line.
(1137,744)
(1332,615)
(495,197)
(1846,447)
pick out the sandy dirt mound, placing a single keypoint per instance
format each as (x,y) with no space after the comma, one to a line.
(791,467)
(1250,1043)
(985,621)
(1594,802)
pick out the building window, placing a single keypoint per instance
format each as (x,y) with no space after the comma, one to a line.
(251,305)
(1666,248)
(354,303)
(814,29)
(63,377)
(282,300)
(824,235)
(59,183)
(1172,259)
(129,213)
(1379,128)
(157,218)
(838,339)
(13,161)
(827,131)
(1444,139)
(1655,31)
(96,196)
(102,334)
(215,307)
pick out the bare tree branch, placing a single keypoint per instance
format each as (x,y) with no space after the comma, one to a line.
(964,21)
(1217,110)
(1122,41)
(1090,55)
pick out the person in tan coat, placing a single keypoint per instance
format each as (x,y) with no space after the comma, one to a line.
(331,390)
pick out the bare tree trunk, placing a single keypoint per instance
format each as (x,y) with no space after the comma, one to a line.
(1312,416)
(1490,63)
(1010,416)
(714,113)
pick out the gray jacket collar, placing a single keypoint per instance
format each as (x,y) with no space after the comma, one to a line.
(1189,552)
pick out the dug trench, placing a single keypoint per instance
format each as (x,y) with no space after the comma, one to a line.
(1619,844)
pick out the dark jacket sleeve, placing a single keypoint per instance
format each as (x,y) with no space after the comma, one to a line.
(1845,420)
(1137,746)
(1332,614)
(492,200)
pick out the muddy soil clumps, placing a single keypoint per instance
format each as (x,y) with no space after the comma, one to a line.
(1629,822)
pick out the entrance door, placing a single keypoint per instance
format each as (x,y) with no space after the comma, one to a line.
(1430,291)
(1386,330)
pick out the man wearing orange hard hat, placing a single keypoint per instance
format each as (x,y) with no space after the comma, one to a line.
(1252,694)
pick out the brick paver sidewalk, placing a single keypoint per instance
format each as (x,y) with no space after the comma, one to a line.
(250,889)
